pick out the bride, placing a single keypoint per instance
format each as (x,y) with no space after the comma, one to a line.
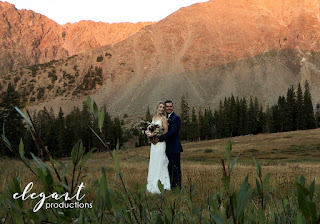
(158,163)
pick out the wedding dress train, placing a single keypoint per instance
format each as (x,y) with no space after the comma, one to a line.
(158,166)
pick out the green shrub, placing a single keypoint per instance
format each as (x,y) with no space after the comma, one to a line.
(108,55)
(41,91)
(53,75)
(100,58)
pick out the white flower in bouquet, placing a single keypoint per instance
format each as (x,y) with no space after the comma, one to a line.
(150,129)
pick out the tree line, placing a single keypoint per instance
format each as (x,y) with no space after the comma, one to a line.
(235,116)
(59,133)
(240,116)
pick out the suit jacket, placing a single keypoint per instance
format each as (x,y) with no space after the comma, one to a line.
(172,136)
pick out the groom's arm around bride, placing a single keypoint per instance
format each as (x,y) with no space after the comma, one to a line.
(172,137)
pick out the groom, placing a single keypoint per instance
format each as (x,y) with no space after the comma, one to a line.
(174,147)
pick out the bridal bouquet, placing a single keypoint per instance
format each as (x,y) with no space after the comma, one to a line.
(153,130)
(150,129)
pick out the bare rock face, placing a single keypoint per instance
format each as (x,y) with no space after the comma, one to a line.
(207,51)
(211,50)
(29,38)
(87,35)
(24,33)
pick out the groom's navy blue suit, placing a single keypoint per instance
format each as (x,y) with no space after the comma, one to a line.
(173,149)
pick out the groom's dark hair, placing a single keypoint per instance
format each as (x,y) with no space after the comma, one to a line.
(168,101)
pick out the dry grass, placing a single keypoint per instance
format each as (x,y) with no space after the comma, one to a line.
(284,155)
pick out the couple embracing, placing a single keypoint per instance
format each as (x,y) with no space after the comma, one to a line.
(164,164)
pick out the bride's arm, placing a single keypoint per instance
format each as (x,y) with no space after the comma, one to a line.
(164,125)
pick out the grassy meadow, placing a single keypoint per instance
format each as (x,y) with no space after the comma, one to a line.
(284,155)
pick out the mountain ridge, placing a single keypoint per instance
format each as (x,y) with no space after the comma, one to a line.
(206,51)
(30,38)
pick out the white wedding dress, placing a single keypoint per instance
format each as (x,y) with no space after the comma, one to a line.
(158,166)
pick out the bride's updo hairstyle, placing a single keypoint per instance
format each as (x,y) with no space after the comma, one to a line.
(156,108)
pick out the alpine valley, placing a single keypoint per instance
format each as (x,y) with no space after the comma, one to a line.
(207,51)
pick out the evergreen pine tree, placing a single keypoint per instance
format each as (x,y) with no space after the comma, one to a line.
(261,120)
(206,124)
(51,139)
(12,121)
(201,124)
(276,119)
(148,115)
(251,117)
(308,108)
(85,133)
(258,127)
(233,119)
(243,117)
(211,123)
(300,115)
(318,115)
(185,120)
(290,118)
(43,122)
(267,124)
(216,124)
(118,133)
(238,108)
(52,134)
(194,126)
(282,110)
(29,144)
(226,112)
(107,129)
(62,141)
(73,128)
(45,125)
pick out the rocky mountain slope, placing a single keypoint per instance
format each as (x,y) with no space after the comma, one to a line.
(30,38)
(206,51)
